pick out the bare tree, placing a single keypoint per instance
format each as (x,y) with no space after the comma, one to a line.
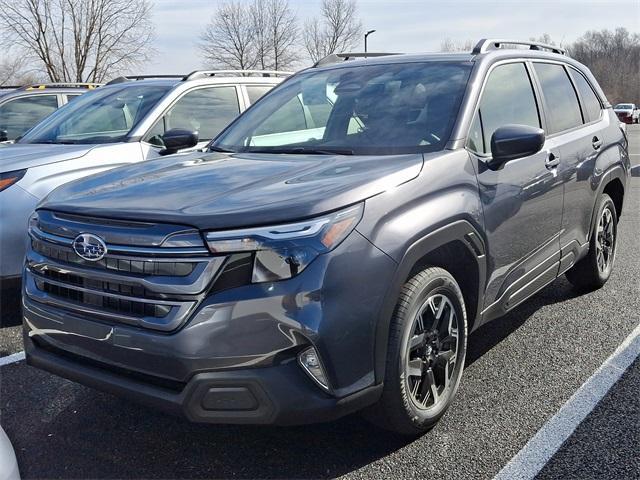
(79,40)
(283,34)
(229,41)
(614,59)
(338,29)
(276,33)
(544,38)
(261,34)
(449,45)
(14,71)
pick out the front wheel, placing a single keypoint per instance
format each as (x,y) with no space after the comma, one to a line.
(594,270)
(426,353)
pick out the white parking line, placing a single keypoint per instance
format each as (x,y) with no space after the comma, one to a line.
(544,444)
(16,357)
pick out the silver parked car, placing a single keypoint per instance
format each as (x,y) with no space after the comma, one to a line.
(23,107)
(120,123)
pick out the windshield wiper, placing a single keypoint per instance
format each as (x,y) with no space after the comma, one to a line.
(306,150)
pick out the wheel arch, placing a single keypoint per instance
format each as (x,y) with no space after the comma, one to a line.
(613,184)
(458,248)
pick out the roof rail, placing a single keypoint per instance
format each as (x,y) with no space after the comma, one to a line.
(131,78)
(239,73)
(343,57)
(487,44)
(44,86)
(10,87)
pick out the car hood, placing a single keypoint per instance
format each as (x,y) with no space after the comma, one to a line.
(217,190)
(19,156)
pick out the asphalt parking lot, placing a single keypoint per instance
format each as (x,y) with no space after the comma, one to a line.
(521,370)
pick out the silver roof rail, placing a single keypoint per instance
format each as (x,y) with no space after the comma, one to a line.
(487,44)
(131,78)
(343,57)
(237,73)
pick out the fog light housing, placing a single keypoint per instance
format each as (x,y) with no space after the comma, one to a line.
(309,360)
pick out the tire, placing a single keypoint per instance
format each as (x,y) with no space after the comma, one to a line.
(593,271)
(420,341)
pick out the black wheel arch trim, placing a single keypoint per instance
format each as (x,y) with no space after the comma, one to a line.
(460,230)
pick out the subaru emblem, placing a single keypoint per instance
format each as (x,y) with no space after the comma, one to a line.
(89,247)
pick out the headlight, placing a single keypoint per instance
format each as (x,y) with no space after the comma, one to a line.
(283,251)
(9,178)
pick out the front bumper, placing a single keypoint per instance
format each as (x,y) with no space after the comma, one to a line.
(278,395)
(238,348)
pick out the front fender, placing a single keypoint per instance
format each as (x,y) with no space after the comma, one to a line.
(461,231)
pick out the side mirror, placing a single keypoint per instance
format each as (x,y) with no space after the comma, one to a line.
(4,136)
(514,141)
(178,139)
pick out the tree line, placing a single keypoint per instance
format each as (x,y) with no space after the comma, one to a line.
(95,40)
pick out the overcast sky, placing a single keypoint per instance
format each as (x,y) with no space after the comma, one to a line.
(406,25)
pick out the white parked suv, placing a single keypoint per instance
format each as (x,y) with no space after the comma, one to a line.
(627,112)
(123,122)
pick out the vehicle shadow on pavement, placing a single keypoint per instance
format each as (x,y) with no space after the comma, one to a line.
(10,306)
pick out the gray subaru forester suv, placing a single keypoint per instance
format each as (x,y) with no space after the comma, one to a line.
(334,246)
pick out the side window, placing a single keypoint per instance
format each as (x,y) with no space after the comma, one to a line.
(507,99)
(560,97)
(19,115)
(256,91)
(72,97)
(591,107)
(205,110)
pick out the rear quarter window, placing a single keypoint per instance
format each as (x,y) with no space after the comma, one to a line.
(591,107)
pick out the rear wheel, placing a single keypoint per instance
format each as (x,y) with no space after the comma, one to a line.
(427,348)
(594,270)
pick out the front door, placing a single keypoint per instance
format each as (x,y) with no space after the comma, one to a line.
(522,200)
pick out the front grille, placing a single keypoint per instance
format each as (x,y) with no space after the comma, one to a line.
(146,267)
(151,287)
(108,304)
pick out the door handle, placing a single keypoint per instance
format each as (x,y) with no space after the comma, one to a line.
(552,161)
(596,142)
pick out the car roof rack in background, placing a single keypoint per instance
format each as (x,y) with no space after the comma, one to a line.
(487,44)
(132,78)
(345,56)
(44,86)
(238,73)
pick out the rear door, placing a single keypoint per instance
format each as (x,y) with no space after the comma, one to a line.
(522,200)
(577,128)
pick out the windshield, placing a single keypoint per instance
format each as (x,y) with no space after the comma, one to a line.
(369,109)
(105,115)
(623,106)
